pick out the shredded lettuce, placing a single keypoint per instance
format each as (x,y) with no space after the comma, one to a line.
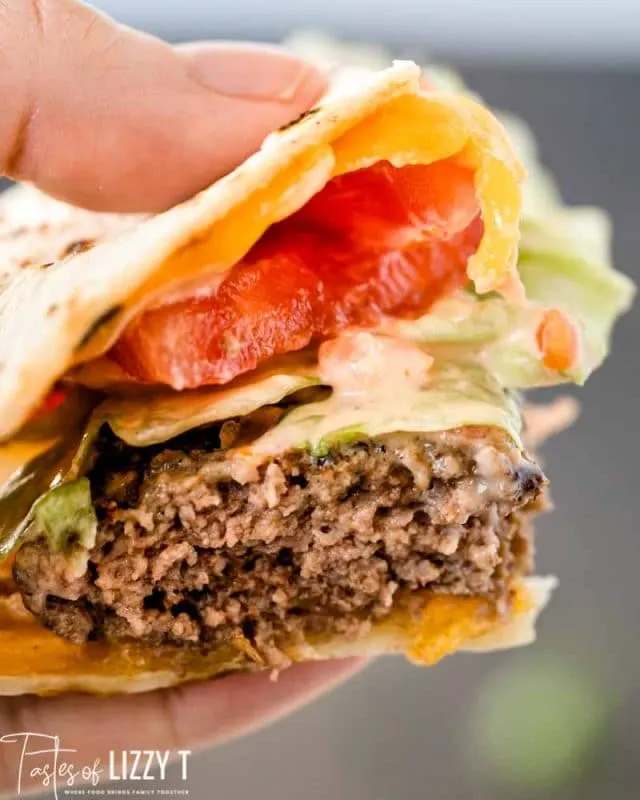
(565,257)
(139,422)
(66,518)
(52,441)
(164,417)
(564,263)
(457,393)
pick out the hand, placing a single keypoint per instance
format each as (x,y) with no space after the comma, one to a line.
(188,717)
(112,119)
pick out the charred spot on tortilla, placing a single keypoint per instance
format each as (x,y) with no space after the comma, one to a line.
(104,319)
(16,233)
(28,263)
(305,115)
(77,247)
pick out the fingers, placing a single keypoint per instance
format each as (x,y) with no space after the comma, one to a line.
(248,702)
(184,718)
(112,119)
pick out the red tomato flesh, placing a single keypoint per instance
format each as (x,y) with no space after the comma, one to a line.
(379,241)
(52,401)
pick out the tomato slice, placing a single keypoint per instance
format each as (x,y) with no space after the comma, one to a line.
(261,309)
(52,401)
(379,241)
(382,208)
(558,340)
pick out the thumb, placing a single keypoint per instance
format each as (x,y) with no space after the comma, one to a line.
(112,119)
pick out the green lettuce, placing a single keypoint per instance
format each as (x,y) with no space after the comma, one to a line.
(139,422)
(458,392)
(66,518)
(564,263)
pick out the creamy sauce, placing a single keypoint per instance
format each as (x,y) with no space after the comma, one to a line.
(361,363)
(448,395)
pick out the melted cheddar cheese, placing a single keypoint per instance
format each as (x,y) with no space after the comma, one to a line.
(27,651)
(411,129)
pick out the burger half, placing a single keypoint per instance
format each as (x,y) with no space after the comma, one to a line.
(280,422)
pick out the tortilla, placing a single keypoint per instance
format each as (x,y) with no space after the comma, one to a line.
(36,229)
(70,312)
(36,661)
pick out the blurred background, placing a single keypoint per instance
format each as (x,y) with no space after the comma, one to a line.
(580,31)
(560,719)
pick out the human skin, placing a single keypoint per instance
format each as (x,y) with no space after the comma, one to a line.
(112,119)
(190,717)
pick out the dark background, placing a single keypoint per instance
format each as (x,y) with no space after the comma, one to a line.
(560,719)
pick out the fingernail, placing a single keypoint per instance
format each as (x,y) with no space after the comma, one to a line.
(253,73)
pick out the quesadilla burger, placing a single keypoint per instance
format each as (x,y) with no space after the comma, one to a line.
(281,421)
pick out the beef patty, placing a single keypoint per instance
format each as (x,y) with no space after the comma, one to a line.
(187,555)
